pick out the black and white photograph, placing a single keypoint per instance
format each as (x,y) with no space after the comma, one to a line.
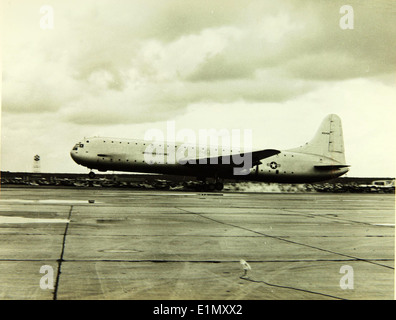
(215,152)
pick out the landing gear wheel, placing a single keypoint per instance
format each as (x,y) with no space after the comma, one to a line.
(91,174)
(219,186)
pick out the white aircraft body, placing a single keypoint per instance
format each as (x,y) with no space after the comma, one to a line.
(320,159)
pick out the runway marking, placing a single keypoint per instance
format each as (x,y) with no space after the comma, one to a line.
(46,201)
(6,219)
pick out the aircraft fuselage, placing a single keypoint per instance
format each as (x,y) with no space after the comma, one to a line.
(108,154)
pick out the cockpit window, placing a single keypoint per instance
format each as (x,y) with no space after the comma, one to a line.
(77,145)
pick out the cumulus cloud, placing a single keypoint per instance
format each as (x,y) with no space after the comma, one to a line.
(143,56)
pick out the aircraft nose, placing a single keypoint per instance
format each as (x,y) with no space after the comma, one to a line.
(74,155)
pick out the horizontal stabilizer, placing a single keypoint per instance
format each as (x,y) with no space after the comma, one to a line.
(331,166)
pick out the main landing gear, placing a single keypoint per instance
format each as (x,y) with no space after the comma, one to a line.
(219,186)
(211,186)
(91,175)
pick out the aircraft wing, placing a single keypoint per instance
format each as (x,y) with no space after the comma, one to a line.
(235,160)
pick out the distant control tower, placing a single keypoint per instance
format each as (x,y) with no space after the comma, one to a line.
(36,164)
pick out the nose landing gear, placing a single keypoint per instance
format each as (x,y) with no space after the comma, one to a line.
(91,175)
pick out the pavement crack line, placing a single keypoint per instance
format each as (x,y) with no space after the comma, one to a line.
(286,240)
(60,260)
(290,288)
(332,218)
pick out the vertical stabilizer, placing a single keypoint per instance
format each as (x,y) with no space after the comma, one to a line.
(328,140)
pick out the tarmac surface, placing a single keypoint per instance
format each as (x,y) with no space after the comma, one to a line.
(120,244)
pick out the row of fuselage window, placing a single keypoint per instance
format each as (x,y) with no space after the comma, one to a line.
(168,146)
(205,148)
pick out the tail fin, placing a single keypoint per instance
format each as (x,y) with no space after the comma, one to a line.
(328,140)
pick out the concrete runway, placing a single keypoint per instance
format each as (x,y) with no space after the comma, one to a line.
(178,245)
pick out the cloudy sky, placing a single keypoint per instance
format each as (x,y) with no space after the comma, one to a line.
(119,68)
